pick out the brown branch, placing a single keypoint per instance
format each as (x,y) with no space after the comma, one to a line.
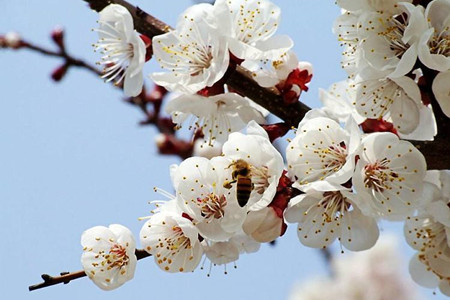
(66,277)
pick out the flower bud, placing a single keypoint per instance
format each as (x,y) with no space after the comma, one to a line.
(11,40)
(263,225)
(57,35)
(59,72)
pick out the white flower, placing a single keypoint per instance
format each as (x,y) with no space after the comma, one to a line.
(250,26)
(434,45)
(263,225)
(339,101)
(201,194)
(389,176)
(123,49)
(12,39)
(441,90)
(173,242)
(108,255)
(330,213)
(264,161)
(322,150)
(221,253)
(429,233)
(194,55)
(268,73)
(216,116)
(390,41)
(396,98)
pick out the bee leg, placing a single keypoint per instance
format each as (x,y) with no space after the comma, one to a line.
(228,184)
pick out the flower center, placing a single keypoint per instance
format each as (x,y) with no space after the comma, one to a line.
(178,241)
(335,205)
(260,178)
(378,175)
(116,258)
(440,43)
(394,34)
(333,158)
(117,53)
(212,206)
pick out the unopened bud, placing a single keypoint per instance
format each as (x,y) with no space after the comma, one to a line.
(58,36)
(11,40)
(148,46)
(59,72)
(169,144)
(276,130)
(375,125)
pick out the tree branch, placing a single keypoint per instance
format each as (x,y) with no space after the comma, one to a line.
(66,277)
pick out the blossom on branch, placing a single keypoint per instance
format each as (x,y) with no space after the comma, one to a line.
(194,55)
(122,48)
(216,116)
(108,255)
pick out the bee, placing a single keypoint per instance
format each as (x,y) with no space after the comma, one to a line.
(242,177)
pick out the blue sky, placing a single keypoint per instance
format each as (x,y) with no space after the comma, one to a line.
(73,156)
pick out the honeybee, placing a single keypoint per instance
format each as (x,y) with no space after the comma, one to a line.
(241,175)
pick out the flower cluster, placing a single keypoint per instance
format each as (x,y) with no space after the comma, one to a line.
(386,44)
(347,166)
(349,181)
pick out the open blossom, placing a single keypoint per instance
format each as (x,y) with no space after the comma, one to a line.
(322,150)
(434,45)
(194,55)
(214,209)
(397,98)
(250,26)
(172,240)
(263,160)
(217,116)
(108,255)
(328,213)
(339,101)
(267,72)
(390,41)
(429,233)
(124,50)
(388,176)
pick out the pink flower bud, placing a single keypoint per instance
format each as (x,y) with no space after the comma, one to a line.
(148,45)
(276,130)
(11,40)
(375,125)
(59,72)
(57,35)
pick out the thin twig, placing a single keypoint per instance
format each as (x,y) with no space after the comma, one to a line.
(70,60)
(66,277)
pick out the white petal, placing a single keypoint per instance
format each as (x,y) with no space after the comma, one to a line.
(421,275)
(441,90)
